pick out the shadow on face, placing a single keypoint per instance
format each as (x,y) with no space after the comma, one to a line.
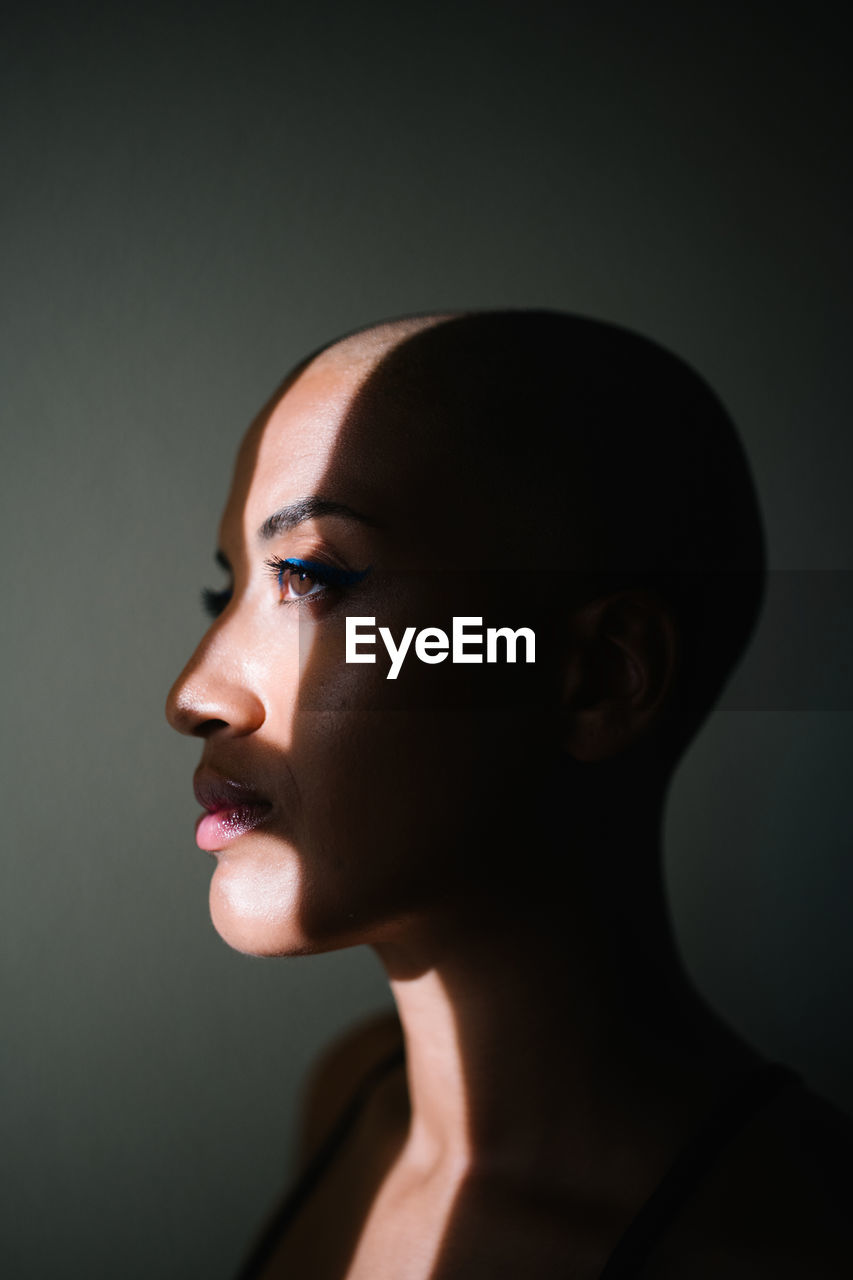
(518,468)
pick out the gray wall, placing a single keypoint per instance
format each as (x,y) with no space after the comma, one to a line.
(195,196)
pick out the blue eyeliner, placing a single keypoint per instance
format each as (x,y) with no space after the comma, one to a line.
(327,575)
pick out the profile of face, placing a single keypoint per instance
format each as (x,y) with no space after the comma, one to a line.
(381,798)
(344,806)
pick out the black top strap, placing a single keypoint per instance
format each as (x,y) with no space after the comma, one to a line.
(316,1167)
(731,1114)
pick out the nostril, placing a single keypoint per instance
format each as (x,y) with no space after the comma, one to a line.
(208,727)
(192,721)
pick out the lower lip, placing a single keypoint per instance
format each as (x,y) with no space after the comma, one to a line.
(215,830)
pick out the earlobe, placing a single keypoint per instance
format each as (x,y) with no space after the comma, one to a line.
(618,672)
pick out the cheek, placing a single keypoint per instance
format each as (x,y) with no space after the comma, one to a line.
(400,807)
(395,811)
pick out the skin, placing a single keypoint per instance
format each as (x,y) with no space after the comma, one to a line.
(493,834)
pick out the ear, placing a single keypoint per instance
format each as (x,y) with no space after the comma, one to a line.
(618,669)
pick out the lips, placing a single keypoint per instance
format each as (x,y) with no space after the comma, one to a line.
(232,810)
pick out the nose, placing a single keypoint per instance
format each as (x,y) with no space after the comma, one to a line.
(211,696)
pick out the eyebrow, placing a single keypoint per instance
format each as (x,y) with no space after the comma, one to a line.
(302,509)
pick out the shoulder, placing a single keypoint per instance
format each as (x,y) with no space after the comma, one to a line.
(777,1203)
(336,1168)
(352,1061)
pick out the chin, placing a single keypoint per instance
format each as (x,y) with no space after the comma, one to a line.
(256,911)
(260,911)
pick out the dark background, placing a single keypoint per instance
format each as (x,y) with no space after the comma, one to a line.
(194,197)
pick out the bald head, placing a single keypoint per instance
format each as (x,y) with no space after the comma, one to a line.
(363,349)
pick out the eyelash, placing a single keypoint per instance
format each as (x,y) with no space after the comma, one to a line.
(327,576)
(213,602)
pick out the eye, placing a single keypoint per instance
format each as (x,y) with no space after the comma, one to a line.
(300,580)
(296,583)
(213,602)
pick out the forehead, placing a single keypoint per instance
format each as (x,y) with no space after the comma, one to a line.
(408,442)
(313,441)
(338,434)
(293,449)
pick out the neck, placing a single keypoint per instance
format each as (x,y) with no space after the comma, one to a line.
(556,1033)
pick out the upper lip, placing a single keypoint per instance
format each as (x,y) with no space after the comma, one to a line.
(214,792)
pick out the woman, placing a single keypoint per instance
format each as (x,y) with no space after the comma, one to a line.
(555,1100)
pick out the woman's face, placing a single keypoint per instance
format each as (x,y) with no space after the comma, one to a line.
(370,801)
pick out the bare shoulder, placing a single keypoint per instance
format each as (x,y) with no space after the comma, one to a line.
(778,1202)
(339,1071)
(338,1187)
